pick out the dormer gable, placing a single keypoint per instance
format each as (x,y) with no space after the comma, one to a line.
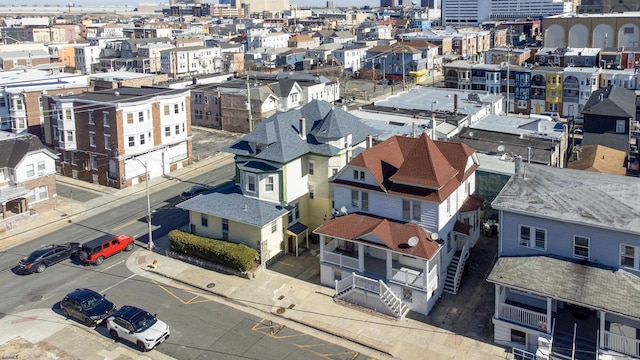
(424,166)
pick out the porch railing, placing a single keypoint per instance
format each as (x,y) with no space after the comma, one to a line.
(391,300)
(341,260)
(621,344)
(523,316)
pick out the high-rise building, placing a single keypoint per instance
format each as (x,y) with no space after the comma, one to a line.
(476,11)
(387,3)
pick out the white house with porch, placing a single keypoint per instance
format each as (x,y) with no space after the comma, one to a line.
(567,277)
(405,219)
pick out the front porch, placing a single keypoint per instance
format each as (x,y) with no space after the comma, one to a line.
(379,264)
(575,332)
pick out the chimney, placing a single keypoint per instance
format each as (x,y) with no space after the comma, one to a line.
(303,128)
(455,103)
(369,141)
(433,127)
(519,170)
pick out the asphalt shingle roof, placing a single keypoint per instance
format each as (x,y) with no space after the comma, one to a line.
(234,206)
(14,148)
(392,234)
(612,100)
(569,195)
(280,136)
(594,287)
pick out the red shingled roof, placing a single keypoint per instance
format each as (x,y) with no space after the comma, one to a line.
(472,203)
(393,234)
(417,167)
(462,228)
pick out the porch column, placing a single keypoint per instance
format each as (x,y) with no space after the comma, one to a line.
(4,210)
(306,236)
(602,320)
(549,308)
(389,264)
(361,257)
(321,248)
(496,313)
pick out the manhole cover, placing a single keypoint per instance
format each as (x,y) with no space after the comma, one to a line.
(280,310)
(35,298)
(210,285)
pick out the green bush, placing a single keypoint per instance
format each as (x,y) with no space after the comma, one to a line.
(235,256)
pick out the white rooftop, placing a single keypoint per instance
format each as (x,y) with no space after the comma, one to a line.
(538,128)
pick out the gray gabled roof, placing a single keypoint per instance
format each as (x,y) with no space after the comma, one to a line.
(599,288)
(573,196)
(234,206)
(13,148)
(283,87)
(280,136)
(612,101)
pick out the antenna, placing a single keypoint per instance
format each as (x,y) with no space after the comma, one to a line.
(435,236)
(413,241)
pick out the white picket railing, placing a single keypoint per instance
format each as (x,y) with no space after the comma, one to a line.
(621,344)
(523,316)
(340,260)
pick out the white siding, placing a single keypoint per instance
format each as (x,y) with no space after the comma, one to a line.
(296,183)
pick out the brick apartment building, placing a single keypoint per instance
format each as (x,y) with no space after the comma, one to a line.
(113,137)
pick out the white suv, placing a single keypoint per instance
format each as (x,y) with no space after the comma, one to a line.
(138,327)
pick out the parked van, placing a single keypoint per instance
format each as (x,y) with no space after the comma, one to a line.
(554,115)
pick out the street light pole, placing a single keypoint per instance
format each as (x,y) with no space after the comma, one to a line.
(146,181)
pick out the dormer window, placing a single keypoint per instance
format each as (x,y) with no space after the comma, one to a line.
(358,175)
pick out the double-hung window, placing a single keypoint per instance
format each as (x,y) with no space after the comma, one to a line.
(581,247)
(532,237)
(630,256)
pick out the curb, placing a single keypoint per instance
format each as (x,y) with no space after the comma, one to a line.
(307,324)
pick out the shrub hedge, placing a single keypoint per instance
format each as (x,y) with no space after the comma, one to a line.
(235,256)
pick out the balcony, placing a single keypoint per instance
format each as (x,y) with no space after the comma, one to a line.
(415,278)
(518,315)
(341,256)
(621,344)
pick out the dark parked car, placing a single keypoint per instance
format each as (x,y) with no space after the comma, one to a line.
(138,327)
(87,306)
(195,190)
(46,256)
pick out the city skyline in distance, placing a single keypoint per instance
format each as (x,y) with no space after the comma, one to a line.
(302,3)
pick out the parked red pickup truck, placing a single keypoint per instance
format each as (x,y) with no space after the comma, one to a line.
(95,251)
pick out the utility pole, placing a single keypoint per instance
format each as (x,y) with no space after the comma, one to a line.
(249,104)
(403,81)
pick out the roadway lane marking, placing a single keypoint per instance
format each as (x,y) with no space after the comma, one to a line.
(188,302)
(114,265)
(116,284)
(125,225)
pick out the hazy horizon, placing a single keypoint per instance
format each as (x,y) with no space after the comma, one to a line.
(316,3)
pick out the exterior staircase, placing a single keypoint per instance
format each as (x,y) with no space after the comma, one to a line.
(455,270)
(355,282)
(563,347)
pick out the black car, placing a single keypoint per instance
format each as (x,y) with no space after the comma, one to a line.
(87,306)
(195,190)
(46,256)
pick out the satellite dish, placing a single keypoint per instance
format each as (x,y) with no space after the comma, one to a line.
(470,133)
(343,209)
(501,148)
(413,241)
(435,236)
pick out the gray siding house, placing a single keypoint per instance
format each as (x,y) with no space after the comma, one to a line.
(568,270)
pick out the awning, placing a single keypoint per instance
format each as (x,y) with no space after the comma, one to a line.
(297,228)
(472,203)
(462,228)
